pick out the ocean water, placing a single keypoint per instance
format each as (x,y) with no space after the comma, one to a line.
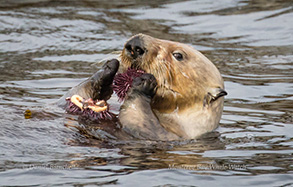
(46,47)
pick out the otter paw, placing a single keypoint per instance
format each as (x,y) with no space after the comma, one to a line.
(110,68)
(102,81)
(145,84)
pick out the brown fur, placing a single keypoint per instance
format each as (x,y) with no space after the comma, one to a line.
(182,85)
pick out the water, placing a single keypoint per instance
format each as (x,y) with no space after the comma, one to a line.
(46,47)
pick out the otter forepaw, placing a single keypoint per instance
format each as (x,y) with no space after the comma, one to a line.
(102,80)
(145,84)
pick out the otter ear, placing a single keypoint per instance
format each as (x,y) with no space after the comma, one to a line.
(213,95)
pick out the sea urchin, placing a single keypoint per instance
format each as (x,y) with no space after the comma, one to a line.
(97,110)
(122,82)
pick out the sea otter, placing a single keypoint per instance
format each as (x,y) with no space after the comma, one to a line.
(180,96)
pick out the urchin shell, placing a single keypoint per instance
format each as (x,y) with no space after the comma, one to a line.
(88,113)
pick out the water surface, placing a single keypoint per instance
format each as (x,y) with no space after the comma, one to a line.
(46,47)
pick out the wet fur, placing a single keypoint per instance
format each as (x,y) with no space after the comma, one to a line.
(183,87)
(188,101)
(136,114)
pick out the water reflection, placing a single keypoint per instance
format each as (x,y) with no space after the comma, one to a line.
(46,47)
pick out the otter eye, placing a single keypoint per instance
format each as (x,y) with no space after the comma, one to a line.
(178,56)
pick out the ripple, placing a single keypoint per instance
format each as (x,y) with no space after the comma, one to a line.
(46,47)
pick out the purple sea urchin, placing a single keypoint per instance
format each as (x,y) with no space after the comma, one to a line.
(99,110)
(122,82)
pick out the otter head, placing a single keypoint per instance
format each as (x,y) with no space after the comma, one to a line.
(184,76)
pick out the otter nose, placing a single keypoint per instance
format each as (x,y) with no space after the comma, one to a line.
(135,47)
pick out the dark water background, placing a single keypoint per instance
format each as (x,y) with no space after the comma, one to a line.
(46,47)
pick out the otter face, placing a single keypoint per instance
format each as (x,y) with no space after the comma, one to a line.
(184,76)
